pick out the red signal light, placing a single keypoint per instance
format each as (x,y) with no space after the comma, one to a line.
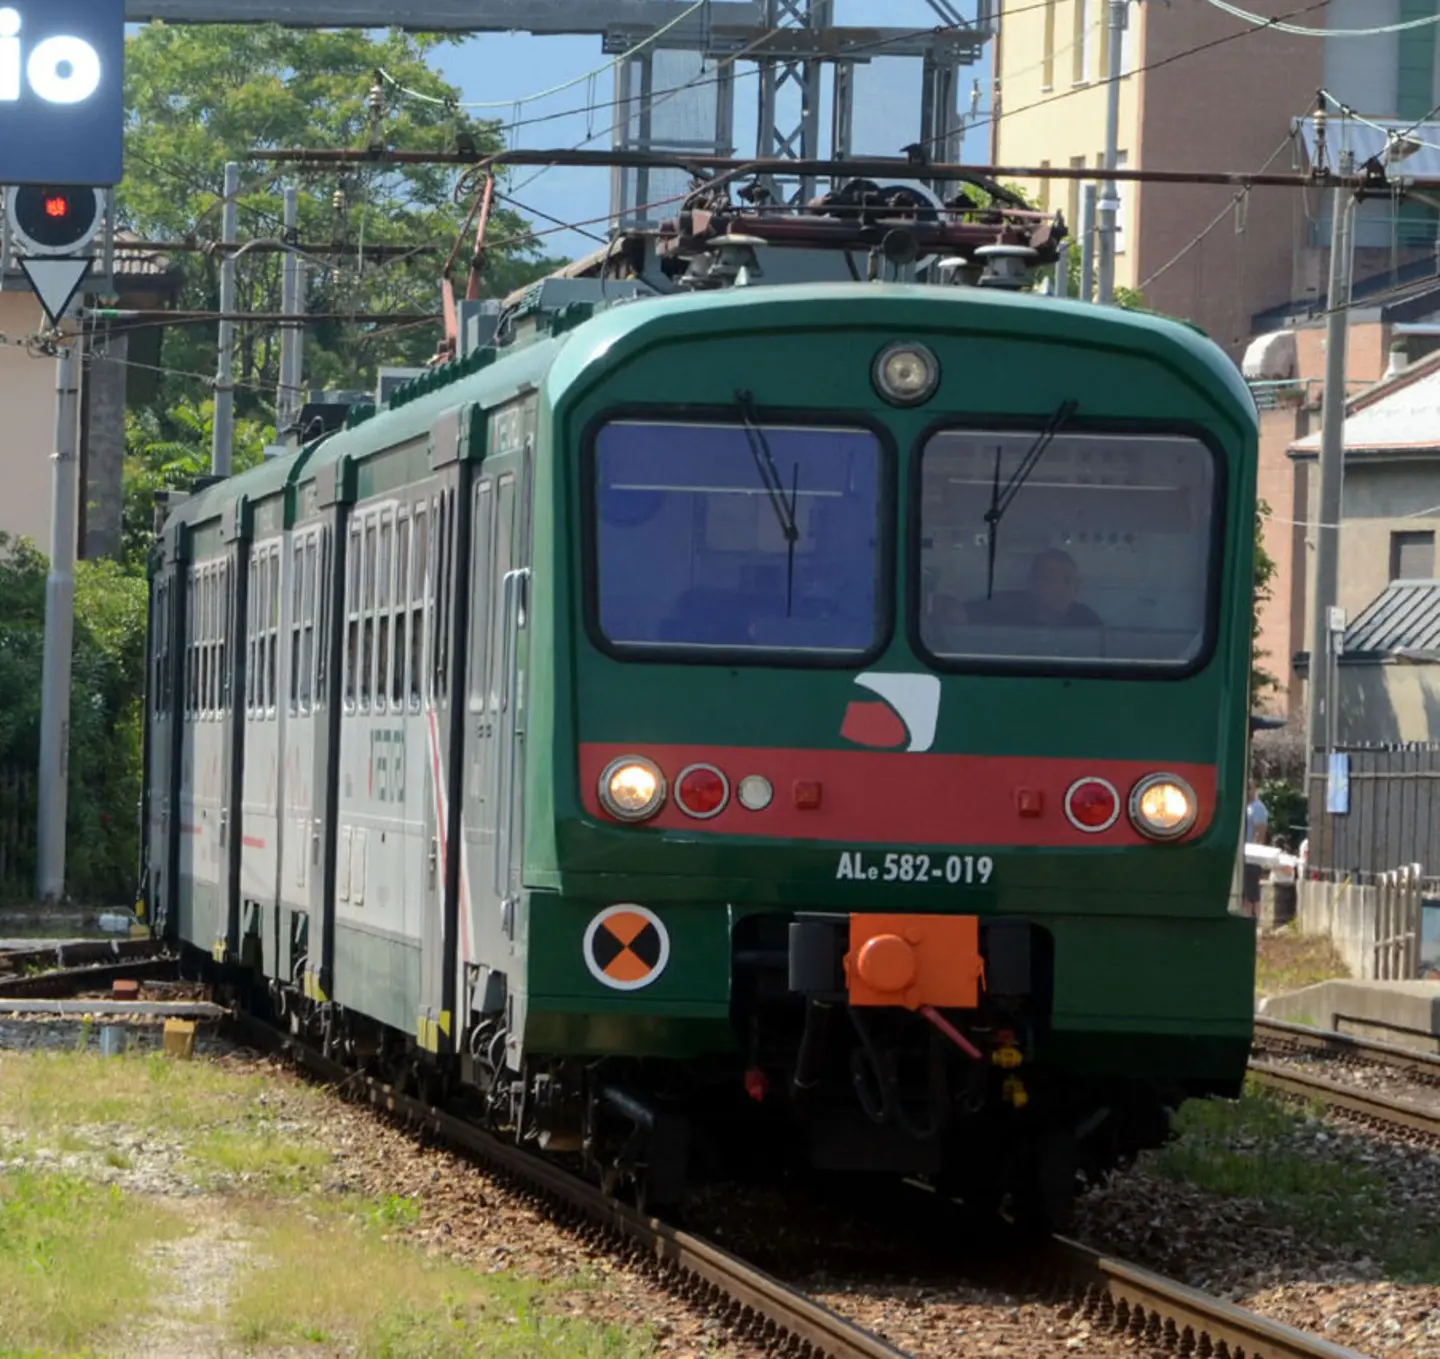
(1092,805)
(57,207)
(702,791)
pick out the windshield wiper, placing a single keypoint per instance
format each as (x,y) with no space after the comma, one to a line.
(774,486)
(1000,501)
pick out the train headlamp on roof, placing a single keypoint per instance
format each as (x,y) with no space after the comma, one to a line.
(906,374)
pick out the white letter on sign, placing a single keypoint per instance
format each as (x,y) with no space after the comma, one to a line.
(61,70)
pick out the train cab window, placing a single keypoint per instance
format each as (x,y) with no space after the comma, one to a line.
(728,538)
(1094,554)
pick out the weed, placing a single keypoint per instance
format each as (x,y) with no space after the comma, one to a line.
(1257,1148)
(1288,961)
(394,1212)
(384,1300)
(70,1260)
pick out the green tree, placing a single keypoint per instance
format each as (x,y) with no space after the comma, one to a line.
(1262,681)
(1131,299)
(169,450)
(106,712)
(199,96)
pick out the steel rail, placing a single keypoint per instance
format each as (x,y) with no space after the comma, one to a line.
(77,952)
(1381,1109)
(1144,1303)
(70,981)
(1424,1066)
(767,1307)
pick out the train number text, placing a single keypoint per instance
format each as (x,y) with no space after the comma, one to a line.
(957,870)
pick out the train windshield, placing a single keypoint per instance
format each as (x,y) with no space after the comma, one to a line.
(739,537)
(1084,551)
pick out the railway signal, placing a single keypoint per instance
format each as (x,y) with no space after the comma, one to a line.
(51,228)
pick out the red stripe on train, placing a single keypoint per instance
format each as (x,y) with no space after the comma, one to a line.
(880,797)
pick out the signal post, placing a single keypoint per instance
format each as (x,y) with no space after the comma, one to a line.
(61,145)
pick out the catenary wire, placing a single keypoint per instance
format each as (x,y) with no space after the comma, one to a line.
(1279,24)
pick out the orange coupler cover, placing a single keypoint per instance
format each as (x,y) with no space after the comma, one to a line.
(915,960)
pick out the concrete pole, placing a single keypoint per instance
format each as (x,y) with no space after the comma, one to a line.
(1087,243)
(292,338)
(1332,472)
(1109,203)
(224,432)
(59,631)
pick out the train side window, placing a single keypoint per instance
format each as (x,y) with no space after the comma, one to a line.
(272,648)
(504,537)
(227,614)
(402,607)
(437,590)
(297,580)
(352,615)
(192,654)
(382,611)
(252,603)
(418,578)
(324,585)
(307,621)
(367,614)
(207,642)
(482,588)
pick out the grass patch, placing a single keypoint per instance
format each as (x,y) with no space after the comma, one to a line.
(1288,961)
(1257,1148)
(385,1300)
(71,1267)
(277,1162)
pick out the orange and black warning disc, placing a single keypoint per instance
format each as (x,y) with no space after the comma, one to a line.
(626,947)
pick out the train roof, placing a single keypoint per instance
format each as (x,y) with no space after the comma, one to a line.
(575,358)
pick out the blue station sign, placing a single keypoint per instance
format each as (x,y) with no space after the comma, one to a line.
(62,91)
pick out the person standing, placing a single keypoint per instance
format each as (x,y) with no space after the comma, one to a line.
(1257,820)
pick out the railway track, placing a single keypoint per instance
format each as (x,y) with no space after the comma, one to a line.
(57,983)
(1297,1043)
(1118,1295)
(1115,1295)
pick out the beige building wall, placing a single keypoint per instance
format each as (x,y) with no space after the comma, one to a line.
(1202,92)
(27,424)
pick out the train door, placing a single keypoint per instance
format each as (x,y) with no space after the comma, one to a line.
(449,555)
(307,946)
(493,740)
(162,749)
(229,714)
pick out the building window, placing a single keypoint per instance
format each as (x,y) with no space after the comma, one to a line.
(1412,556)
(1049,58)
(1080,53)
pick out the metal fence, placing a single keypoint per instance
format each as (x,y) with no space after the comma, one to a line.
(18,796)
(1391,815)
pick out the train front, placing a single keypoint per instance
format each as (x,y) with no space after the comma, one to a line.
(899,719)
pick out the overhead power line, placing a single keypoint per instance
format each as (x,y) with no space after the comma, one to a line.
(1260,21)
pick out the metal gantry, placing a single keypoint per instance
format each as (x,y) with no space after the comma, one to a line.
(792,42)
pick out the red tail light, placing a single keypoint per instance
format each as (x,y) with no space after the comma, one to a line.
(702,791)
(1092,805)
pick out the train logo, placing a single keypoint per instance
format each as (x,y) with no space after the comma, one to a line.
(626,947)
(909,711)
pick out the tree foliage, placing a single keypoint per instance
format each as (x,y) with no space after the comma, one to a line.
(106,714)
(199,96)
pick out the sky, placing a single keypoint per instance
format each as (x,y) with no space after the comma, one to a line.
(502,68)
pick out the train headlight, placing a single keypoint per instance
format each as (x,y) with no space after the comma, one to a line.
(1163,807)
(632,788)
(906,374)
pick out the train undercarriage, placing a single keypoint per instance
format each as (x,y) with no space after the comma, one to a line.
(818,1087)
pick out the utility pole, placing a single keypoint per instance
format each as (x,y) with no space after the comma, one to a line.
(1332,473)
(224,428)
(1109,204)
(292,337)
(53,810)
(1087,243)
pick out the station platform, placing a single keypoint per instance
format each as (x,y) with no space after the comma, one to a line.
(1406,1013)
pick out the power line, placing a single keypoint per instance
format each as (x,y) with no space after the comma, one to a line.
(1260,21)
